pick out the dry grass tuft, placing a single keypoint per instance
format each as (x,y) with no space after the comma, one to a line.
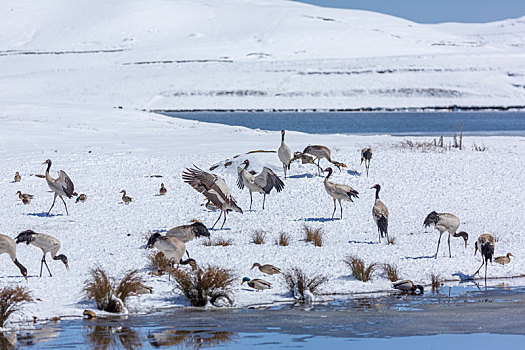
(201,286)
(258,237)
(424,146)
(218,242)
(313,235)
(391,272)
(284,239)
(480,148)
(159,262)
(11,299)
(359,269)
(298,282)
(436,282)
(391,240)
(109,295)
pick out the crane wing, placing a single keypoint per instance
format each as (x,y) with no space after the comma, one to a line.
(240,180)
(268,180)
(210,185)
(63,181)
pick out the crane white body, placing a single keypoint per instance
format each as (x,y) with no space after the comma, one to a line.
(285,154)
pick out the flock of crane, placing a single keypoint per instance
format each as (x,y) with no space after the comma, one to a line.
(219,197)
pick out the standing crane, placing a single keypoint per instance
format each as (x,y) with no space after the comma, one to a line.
(366,156)
(380,214)
(262,183)
(339,192)
(8,246)
(285,154)
(61,186)
(319,152)
(47,243)
(485,244)
(445,222)
(214,189)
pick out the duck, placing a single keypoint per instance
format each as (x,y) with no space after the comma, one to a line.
(267,269)
(125,199)
(81,198)
(163,189)
(18,178)
(503,259)
(408,286)
(24,195)
(257,283)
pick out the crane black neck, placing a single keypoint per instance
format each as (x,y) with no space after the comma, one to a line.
(282,137)
(48,167)
(329,173)
(377,192)
(246,164)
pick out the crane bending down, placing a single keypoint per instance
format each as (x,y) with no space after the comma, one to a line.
(8,246)
(262,183)
(61,186)
(485,244)
(339,191)
(285,154)
(47,243)
(319,152)
(445,222)
(214,189)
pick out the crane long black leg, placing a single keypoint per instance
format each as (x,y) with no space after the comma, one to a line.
(340,206)
(482,262)
(41,266)
(449,253)
(64,204)
(224,220)
(52,205)
(486,273)
(217,220)
(45,262)
(379,233)
(334,209)
(439,240)
(264,199)
(251,200)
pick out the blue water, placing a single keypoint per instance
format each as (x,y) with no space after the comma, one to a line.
(396,123)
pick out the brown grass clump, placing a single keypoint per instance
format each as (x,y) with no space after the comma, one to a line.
(479,148)
(224,242)
(159,263)
(284,239)
(204,284)
(11,299)
(109,295)
(391,240)
(313,235)
(391,272)
(258,237)
(424,146)
(359,269)
(298,282)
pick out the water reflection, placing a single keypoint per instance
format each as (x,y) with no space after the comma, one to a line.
(107,337)
(189,338)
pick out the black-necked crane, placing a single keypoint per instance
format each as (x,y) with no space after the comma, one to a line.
(380,214)
(485,244)
(267,269)
(173,248)
(163,189)
(8,246)
(187,233)
(408,286)
(445,222)
(125,198)
(319,152)
(285,154)
(81,198)
(61,186)
(214,189)
(47,243)
(262,183)
(339,192)
(366,156)
(18,178)
(503,260)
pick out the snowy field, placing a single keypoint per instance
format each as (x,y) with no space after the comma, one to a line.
(65,66)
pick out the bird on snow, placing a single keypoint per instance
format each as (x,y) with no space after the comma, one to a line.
(81,198)
(485,244)
(267,269)
(319,152)
(163,189)
(24,195)
(18,178)
(257,283)
(173,248)
(339,192)
(187,233)
(214,188)
(503,260)
(445,222)
(125,198)
(47,243)
(408,286)
(262,183)
(366,156)
(285,154)
(8,246)
(380,214)
(61,186)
